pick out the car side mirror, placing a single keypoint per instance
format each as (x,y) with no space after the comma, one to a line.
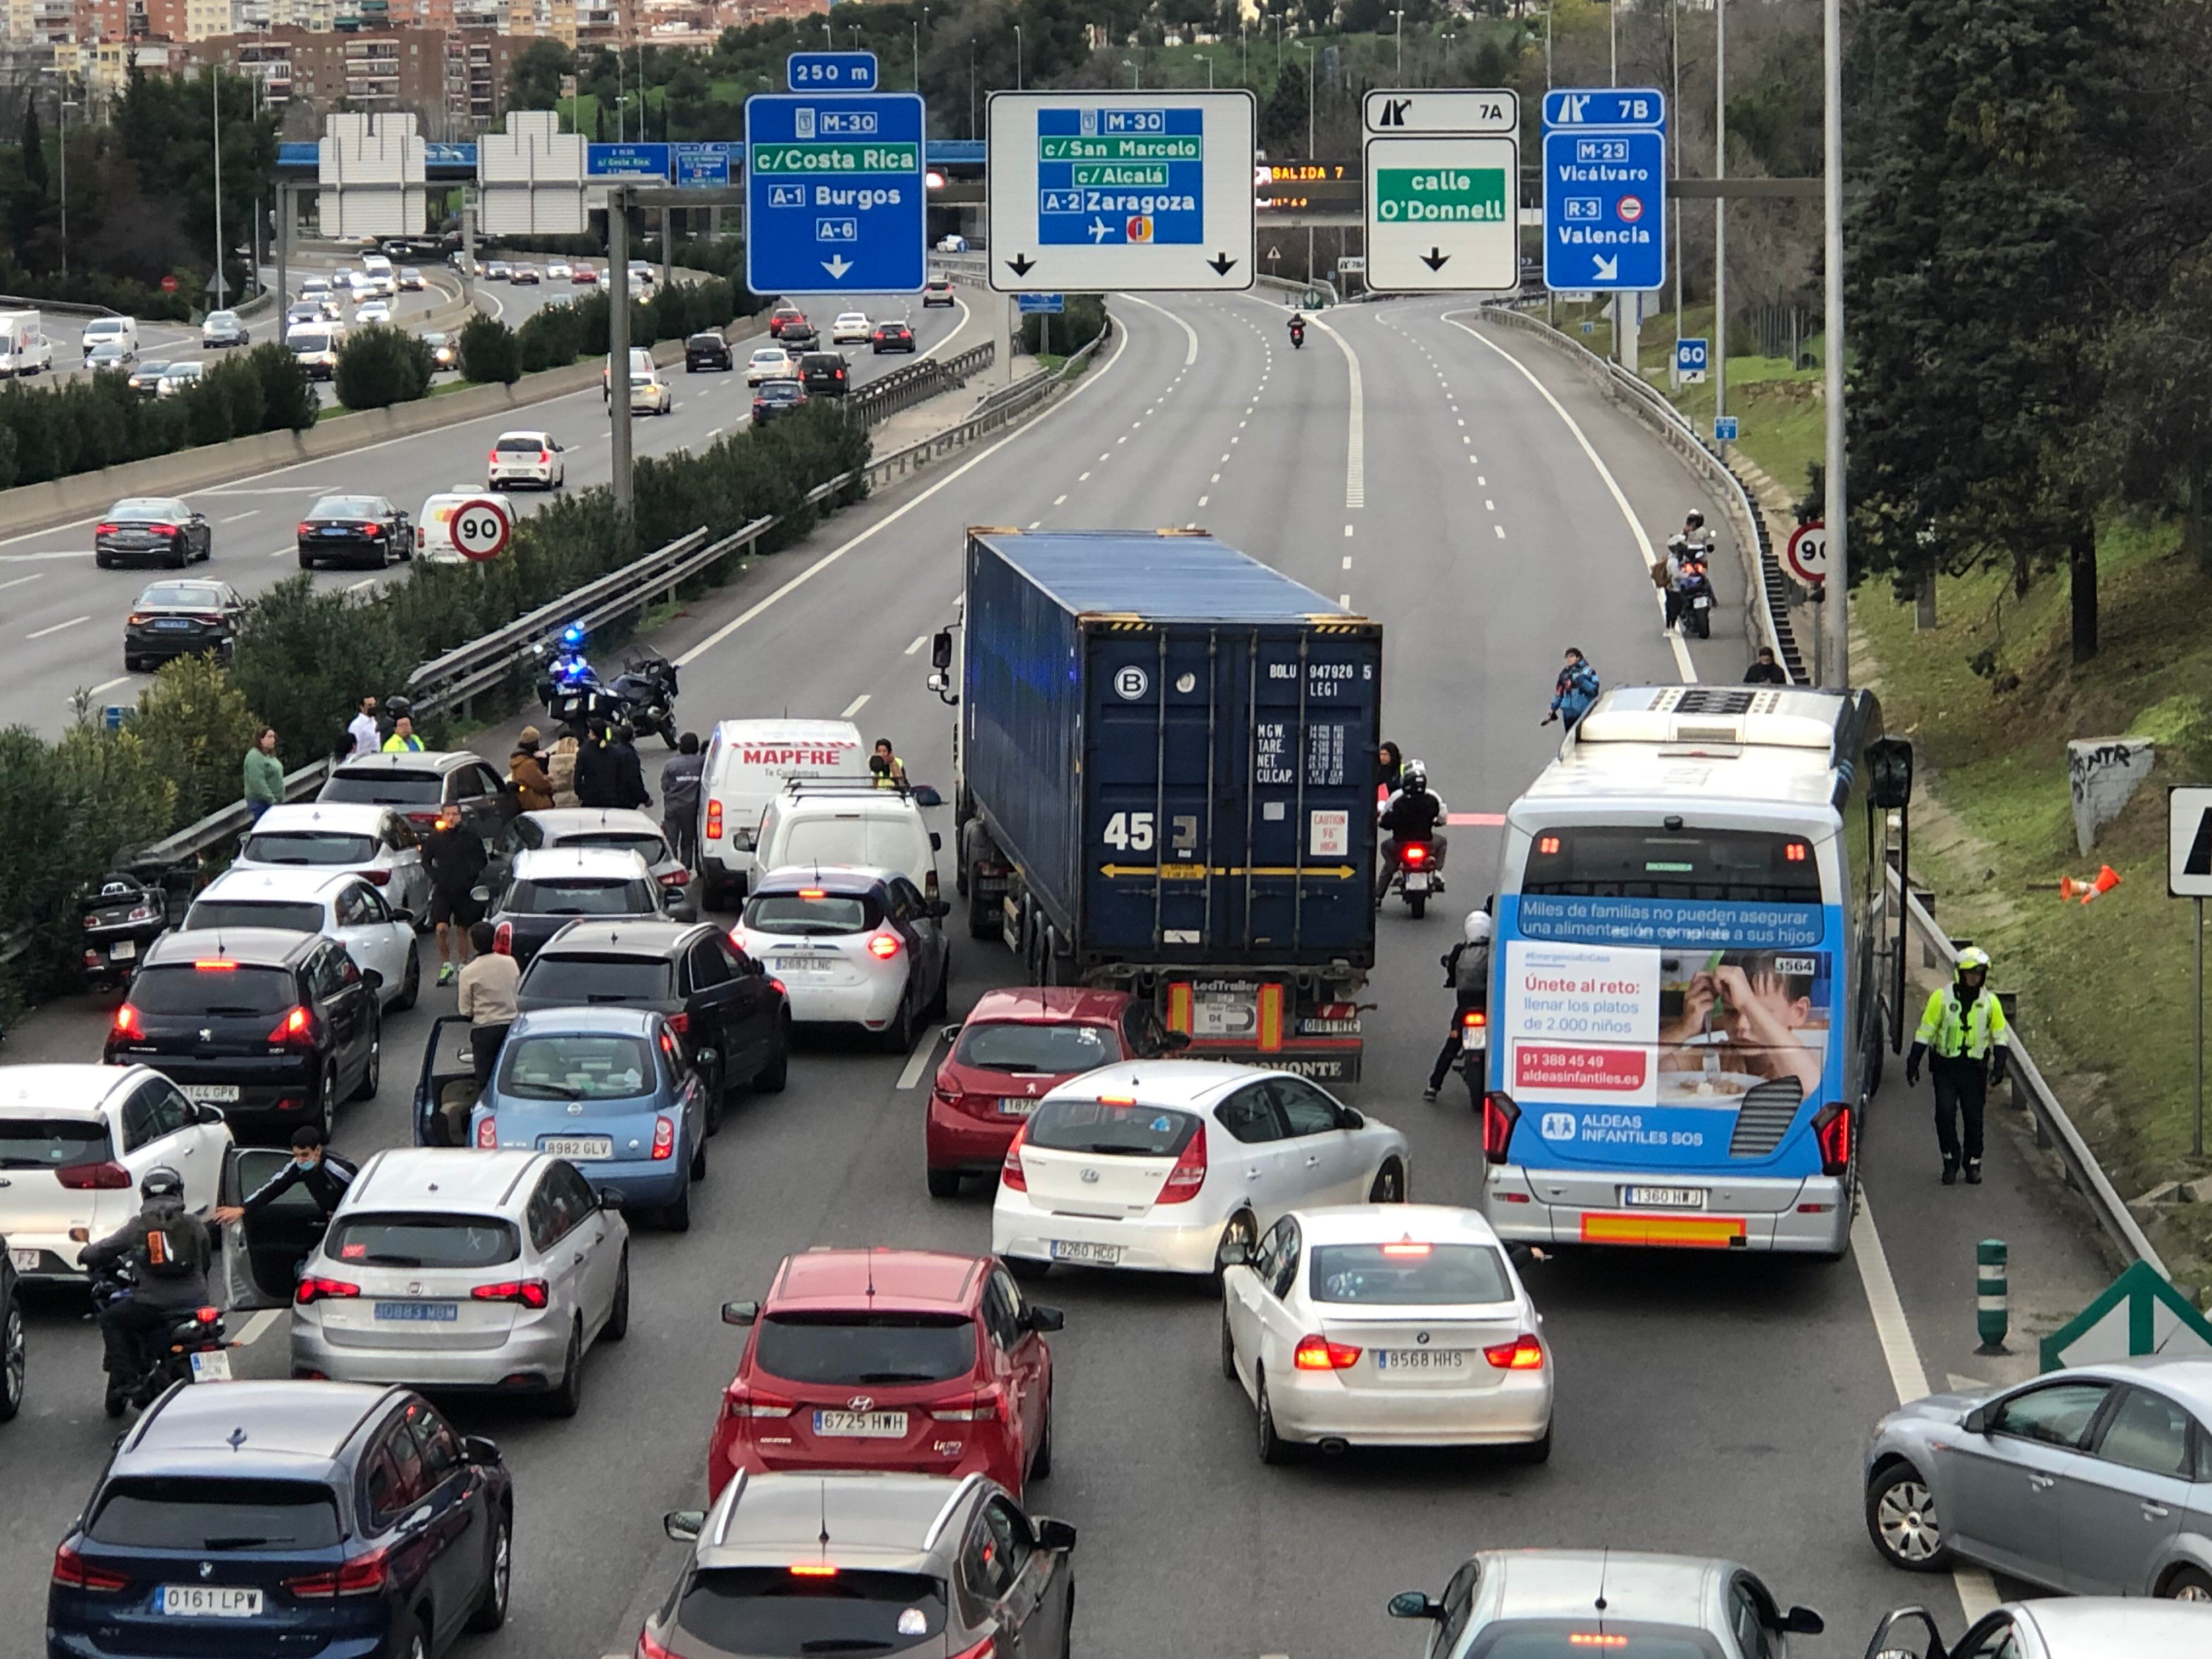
(941,649)
(1978,1420)
(1802,1621)
(685,1526)
(480,1449)
(940,908)
(1348,1119)
(210,1114)
(401,914)
(371,978)
(740,1313)
(936,842)
(1044,1319)
(1058,1536)
(950,1034)
(1412,1604)
(481,895)
(611,1198)
(1235,1253)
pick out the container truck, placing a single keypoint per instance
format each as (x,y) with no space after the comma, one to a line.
(1165,760)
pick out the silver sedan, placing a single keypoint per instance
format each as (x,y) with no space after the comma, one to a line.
(2092,1627)
(2095,1480)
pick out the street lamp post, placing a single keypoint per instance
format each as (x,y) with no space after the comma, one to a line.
(214,106)
(1136,74)
(1207,58)
(971,85)
(1833,510)
(919,22)
(1018,58)
(1306,46)
(1401,15)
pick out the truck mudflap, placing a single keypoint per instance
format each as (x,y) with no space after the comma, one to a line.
(1264,1023)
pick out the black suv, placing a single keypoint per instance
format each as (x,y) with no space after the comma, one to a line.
(425,783)
(708,350)
(733,1019)
(823,373)
(271,1028)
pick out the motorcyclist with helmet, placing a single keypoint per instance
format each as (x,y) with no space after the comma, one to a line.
(1298,331)
(1467,971)
(1685,547)
(168,1250)
(1414,813)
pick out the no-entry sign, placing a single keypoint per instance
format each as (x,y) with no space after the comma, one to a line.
(480,530)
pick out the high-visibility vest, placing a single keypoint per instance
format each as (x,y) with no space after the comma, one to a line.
(396,744)
(1950,1027)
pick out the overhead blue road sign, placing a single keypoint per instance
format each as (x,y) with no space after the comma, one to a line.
(1605,191)
(1050,305)
(1724,428)
(834,194)
(830,71)
(626,161)
(1605,107)
(706,165)
(1690,359)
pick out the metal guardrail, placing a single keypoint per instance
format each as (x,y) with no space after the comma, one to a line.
(1762,569)
(915,383)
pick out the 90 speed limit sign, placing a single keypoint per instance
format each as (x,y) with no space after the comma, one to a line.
(480,530)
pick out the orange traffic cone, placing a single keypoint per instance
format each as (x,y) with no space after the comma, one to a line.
(2107,879)
(2070,888)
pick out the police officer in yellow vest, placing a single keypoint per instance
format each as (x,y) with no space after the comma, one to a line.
(1963,1027)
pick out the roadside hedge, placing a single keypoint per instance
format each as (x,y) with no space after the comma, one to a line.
(382,365)
(1073,329)
(487,351)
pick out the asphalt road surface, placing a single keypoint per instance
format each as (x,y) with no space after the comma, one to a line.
(1481,501)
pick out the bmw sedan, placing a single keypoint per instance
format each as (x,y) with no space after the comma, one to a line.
(180,619)
(151,530)
(355,530)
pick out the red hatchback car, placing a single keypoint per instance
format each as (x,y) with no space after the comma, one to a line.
(1014,1047)
(779,317)
(906,1360)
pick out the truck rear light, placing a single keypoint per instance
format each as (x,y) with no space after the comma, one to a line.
(1189,1172)
(1499,1115)
(488,1135)
(105,1176)
(1009,1171)
(713,820)
(1317,1353)
(529,1292)
(315,1288)
(73,1571)
(1831,1128)
(1523,1354)
(664,1139)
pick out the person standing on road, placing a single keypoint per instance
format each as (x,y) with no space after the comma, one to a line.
(1574,691)
(679,798)
(628,770)
(264,774)
(362,728)
(597,783)
(402,740)
(561,767)
(1765,670)
(1961,1031)
(455,855)
(525,770)
(487,997)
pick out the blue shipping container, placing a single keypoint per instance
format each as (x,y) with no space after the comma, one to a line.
(1175,747)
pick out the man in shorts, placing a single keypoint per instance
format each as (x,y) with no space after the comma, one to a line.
(454,854)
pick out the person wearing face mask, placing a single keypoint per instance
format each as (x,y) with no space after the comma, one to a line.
(1961,1032)
(324,1177)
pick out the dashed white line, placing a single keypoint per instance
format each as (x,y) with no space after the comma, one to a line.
(1035,523)
(1500,529)
(1345,599)
(355,587)
(1057,500)
(283,552)
(250,513)
(854,707)
(920,640)
(1347,562)
(1215,479)
(257,1326)
(918,1060)
(109,685)
(56,627)
(19,580)
(1202,500)
(1488,505)
(1080,480)
(1347,530)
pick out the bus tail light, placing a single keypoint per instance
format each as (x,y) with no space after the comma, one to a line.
(1499,1115)
(1831,1128)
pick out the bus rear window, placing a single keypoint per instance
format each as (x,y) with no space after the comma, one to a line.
(1647,861)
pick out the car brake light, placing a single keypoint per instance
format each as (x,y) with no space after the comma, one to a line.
(884,946)
(664,1138)
(1189,1174)
(544,455)
(1595,1638)
(365,1575)
(741,1401)
(492,460)
(713,820)
(376,877)
(530,1293)
(105,1176)
(649,1648)
(315,1288)
(215,966)
(1408,1246)
(988,1406)
(1523,1354)
(1009,1171)
(1474,1019)
(106,529)
(163,529)
(306,529)
(72,1570)
(127,1024)
(812,1569)
(982,1650)
(679,1023)
(1317,1353)
(781,989)
(1499,1115)
(675,877)
(297,1025)
(488,1135)
(1831,1128)
(503,939)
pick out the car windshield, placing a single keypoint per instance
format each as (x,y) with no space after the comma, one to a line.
(1110,1128)
(577,895)
(222,989)
(149,509)
(893,842)
(768,355)
(182,596)
(520,442)
(304,918)
(300,341)
(384,786)
(1563,1638)
(1408,1273)
(202,1512)
(563,980)
(578,1067)
(151,371)
(343,506)
(220,320)
(779,392)
(31,1142)
(423,1241)
(643,842)
(777,1613)
(813,914)
(308,847)
(434,339)
(1008,1045)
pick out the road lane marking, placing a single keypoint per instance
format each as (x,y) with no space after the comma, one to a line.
(257,1326)
(108,685)
(1057,500)
(1190,334)
(1081,479)
(918,1060)
(1347,562)
(355,587)
(1488,505)
(854,707)
(920,640)
(1500,529)
(1202,500)
(1345,599)
(28,558)
(18,581)
(250,513)
(1215,479)
(1347,530)
(56,627)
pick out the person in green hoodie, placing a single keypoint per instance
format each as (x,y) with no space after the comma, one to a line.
(264,774)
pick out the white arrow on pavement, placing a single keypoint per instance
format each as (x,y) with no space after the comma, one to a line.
(1609,270)
(838,266)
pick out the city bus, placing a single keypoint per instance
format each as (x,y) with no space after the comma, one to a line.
(1685,1012)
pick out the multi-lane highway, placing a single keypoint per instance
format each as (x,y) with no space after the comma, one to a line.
(1466,490)
(61,618)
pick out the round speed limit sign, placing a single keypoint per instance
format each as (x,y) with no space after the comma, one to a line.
(480,530)
(1807,553)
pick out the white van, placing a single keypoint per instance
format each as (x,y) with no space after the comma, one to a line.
(316,346)
(849,821)
(24,347)
(748,763)
(433,526)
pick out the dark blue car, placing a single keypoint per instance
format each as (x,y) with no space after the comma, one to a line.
(252,1519)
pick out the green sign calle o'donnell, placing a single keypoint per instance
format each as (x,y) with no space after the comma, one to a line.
(1440,195)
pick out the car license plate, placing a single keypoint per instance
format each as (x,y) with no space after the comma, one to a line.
(211,1094)
(809,964)
(585,1146)
(861,1426)
(211,1365)
(1664,1198)
(122,950)
(26,1261)
(420,1313)
(175,624)
(1477,1036)
(1420,1360)
(211,1601)
(1010,1106)
(1070,1249)
(1417,881)
(333,530)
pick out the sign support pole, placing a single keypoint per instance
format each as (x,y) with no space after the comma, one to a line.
(1835,514)
(618,339)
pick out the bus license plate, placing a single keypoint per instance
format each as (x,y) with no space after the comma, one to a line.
(861,1426)
(1663,1198)
(211,1601)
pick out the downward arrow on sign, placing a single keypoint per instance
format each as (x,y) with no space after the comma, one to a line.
(1021,264)
(1434,259)
(837,267)
(1221,263)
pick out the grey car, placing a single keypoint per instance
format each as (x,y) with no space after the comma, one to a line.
(2096,1480)
(1572,1602)
(2091,1627)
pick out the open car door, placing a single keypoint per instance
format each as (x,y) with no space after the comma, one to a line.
(448,1088)
(262,1254)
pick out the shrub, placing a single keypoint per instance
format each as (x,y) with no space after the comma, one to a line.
(241,384)
(208,409)
(307,659)
(1074,329)
(195,721)
(488,352)
(381,365)
(550,338)
(287,396)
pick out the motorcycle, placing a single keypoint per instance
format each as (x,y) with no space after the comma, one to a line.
(1298,337)
(1697,597)
(122,917)
(645,691)
(1475,1053)
(643,696)
(192,1348)
(1415,877)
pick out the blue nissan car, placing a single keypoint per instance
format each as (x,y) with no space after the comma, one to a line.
(607,1088)
(267,1518)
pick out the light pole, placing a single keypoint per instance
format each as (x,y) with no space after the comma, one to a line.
(1136,74)
(1834,509)
(618,95)
(919,22)
(1612,37)
(828,45)
(1018,58)
(1207,58)
(1445,36)
(215,109)
(971,85)
(1401,15)
(1720,212)
(1306,46)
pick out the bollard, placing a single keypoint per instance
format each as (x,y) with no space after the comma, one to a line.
(1992,1315)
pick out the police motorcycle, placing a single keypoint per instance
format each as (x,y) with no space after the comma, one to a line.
(643,696)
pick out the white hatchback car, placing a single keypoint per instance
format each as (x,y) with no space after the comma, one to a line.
(446,1267)
(75,1141)
(526,458)
(768,363)
(557,271)
(374,842)
(851,328)
(851,947)
(1385,1324)
(1162,1163)
(339,904)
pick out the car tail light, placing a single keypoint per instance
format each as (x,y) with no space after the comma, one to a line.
(741,1401)
(675,877)
(1831,1128)
(75,1572)
(306,529)
(163,529)
(664,1138)
(1474,1019)
(1189,1174)
(492,460)
(375,877)
(488,1135)
(987,1405)
(781,989)
(1009,1171)
(530,1293)
(1499,1115)
(679,1023)
(104,1177)
(139,619)
(315,1288)
(713,820)
(884,946)
(106,529)
(545,456)
(365,1575)
(503,939)
(649,1649)
(1317,1353)
(1414,853)
(1523,1354)
(126,1022)
(205,618)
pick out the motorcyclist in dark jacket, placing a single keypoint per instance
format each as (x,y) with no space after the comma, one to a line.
(1413,814)
(629,771)
(169,1252)
(1467,971)
(598,773)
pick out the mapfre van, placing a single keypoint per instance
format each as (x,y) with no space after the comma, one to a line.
(748,763)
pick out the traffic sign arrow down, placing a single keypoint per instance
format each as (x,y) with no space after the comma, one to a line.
(1221,262)
(1435,259)
(1021,264)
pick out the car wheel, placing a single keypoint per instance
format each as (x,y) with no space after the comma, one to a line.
(1027,1268)
(411,987)
(943,1183)
(1228,1350)
(491,1606)
(772,1077)
(130,665)
(373,1074)
(940,1002)
(677,1217)
(325,1108)
(1900,1518)
(617,1325)
(184,555)
(1041,1465)
(567,1399)
(418,1642)
(12,1360)
(306,563)
(898,1036)
(100,561)
(1389,1186)
(1273,1448)
(2187,1585)
(717,1092)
